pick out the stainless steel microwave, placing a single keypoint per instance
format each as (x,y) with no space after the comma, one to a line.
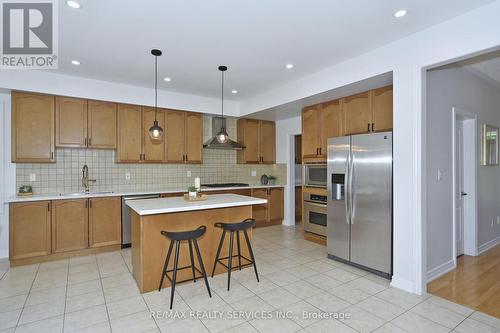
(315,175)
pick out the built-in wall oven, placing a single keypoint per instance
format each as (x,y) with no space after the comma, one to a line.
(315,213)
(315,175)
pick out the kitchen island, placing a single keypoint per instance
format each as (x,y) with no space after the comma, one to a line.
(151,216)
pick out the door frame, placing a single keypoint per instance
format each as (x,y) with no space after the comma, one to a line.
(469,121)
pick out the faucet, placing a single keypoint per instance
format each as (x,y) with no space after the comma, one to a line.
(85,178)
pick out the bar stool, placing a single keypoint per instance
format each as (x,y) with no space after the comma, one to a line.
(235,228)
(177,237)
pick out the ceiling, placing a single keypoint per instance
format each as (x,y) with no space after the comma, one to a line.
(112,39)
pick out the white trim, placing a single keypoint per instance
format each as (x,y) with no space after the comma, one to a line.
(488,245)
(289,195)
(470,227)
(403,284)
(441,270)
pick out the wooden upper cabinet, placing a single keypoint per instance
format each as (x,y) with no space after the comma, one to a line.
(153,150)
(248,135)
(357,113)
(71,122)
(33,128)
(331,124)
(259,138)
(311,132)
(101,131)
(382,109)
(129,133)
(29,229)
(267,142)
(193,137)
(70,228)
(175,136)
(104,221)
(298,149)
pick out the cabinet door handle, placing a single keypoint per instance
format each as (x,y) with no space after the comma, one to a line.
(373,127)
(186,158)
(90,203)
(86,201)
(48,206)
(90,141)
(85,141)
(52,155)
(368,127)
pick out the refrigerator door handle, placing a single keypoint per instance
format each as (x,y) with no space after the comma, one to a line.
(347,189)
(353,193)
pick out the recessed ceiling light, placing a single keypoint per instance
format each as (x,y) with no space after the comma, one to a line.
(400,13)
(73,4)
(234,91)
(167,79)
(75,62)
(289,66)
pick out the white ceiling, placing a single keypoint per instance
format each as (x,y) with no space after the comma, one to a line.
(112,39)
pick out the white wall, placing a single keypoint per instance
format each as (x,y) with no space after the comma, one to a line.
(66,85)
(285,153)
(447,88)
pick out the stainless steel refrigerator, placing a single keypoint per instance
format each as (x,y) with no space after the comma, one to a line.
(359,225)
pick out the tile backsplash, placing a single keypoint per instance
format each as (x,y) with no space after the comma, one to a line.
(65,175)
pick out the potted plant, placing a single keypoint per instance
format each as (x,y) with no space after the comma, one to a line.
(272,180)
(193,193)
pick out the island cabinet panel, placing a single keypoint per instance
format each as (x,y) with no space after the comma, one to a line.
(101,124)
(70,227)
(104,221)
(33,128)
(175,136)
(357,112)
(153,150)
(382,109)
(71,122)
(259,139)
(193,138)
(129,133)
(29,229)
(149,247)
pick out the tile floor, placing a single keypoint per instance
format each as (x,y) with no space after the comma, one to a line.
(98,294)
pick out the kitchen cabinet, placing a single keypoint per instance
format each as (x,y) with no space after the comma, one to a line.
(104,221)
(319,123)
(129,133)
(71,122)
(152,150)
(81,123)
(298,149)
(259,138)
(382,109)
(70,229)
(184,135)
(29,229)
(368,112)
(272,212)
(33,128)
(298,203)
(101,132)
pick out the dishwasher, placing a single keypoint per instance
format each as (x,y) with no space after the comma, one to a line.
(126,218)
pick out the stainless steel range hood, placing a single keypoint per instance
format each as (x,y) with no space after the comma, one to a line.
(213,143)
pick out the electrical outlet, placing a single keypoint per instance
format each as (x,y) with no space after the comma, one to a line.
(32,177)
(127,175)
(254,173)
(188,173)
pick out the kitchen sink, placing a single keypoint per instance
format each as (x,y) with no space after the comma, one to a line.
(84,193)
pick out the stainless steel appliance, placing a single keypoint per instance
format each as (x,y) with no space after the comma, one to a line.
(359,228)
(126,219)
(315,213)
(315,175)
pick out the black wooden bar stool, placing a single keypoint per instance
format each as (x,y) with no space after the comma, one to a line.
(235,228)
(177,237)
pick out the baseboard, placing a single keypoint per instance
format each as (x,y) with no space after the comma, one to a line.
(488,245)
(402,284)
(440,270)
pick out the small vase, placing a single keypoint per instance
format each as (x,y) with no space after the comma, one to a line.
(193,195)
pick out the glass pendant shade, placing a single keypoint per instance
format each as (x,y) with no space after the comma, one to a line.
(222,136)
(155,131)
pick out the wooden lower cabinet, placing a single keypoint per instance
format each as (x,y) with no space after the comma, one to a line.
(298,204)
(29,230)
(104,221)
(272,212)
(70,225)
(260,212)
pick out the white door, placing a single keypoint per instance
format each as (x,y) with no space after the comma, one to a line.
(461,195)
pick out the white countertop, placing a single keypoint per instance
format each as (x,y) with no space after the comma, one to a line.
(57,196)
(178,204)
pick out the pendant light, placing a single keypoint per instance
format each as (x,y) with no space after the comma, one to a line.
(155,131)
(222,135)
